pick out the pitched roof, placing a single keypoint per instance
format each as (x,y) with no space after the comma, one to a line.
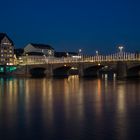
(2,35)
(42,46)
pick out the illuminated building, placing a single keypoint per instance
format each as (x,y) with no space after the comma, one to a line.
(47,50)
(6,50)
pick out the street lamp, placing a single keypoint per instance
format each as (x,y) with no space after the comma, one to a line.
(120,48)
(80,53)
(120,52)
(97,53)
(67,54)
(80,50)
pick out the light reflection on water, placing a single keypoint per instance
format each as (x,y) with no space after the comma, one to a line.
(70,108)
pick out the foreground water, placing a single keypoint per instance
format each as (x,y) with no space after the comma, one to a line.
(69,109)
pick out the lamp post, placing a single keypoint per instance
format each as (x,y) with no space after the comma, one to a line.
(80,53)
(97,54)
(120,52)
(67,57)
(67,54)
(80,50)
(120,49)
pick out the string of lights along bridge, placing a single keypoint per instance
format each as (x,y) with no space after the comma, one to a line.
(120,56)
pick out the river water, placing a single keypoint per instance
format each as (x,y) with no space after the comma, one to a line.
(69,109)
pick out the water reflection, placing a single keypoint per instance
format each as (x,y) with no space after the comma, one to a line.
(69,108)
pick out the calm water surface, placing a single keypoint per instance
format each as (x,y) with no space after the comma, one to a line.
(69,109)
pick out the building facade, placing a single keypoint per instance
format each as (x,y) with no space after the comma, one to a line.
(6,50)
(46,50)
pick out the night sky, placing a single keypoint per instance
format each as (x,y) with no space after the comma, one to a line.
(68,25)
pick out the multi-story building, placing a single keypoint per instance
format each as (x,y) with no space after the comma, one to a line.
(6,50)
(47,50)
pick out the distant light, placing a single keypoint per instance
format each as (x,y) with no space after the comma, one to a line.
(97,52)
(114,75)
(120,48)
(80,50)
(5,43)
(65,65)
(99,64)
(73,68)
(106,76)
(75,56)
(9,64)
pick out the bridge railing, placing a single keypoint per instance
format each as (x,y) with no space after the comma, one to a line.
(28,60)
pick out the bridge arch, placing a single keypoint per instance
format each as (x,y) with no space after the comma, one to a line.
(38,72)
(134,71)
(65,71)
(92,71)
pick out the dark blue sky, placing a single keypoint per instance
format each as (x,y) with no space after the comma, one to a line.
(72,24)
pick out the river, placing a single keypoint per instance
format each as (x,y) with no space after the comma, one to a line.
(69,109)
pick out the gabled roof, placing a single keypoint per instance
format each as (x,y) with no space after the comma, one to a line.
(2,35)
(42,46)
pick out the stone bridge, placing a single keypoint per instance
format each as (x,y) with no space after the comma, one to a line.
(88,69)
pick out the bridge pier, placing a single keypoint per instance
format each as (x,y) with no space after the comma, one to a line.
(121,70)
(49,70)
(81,70)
